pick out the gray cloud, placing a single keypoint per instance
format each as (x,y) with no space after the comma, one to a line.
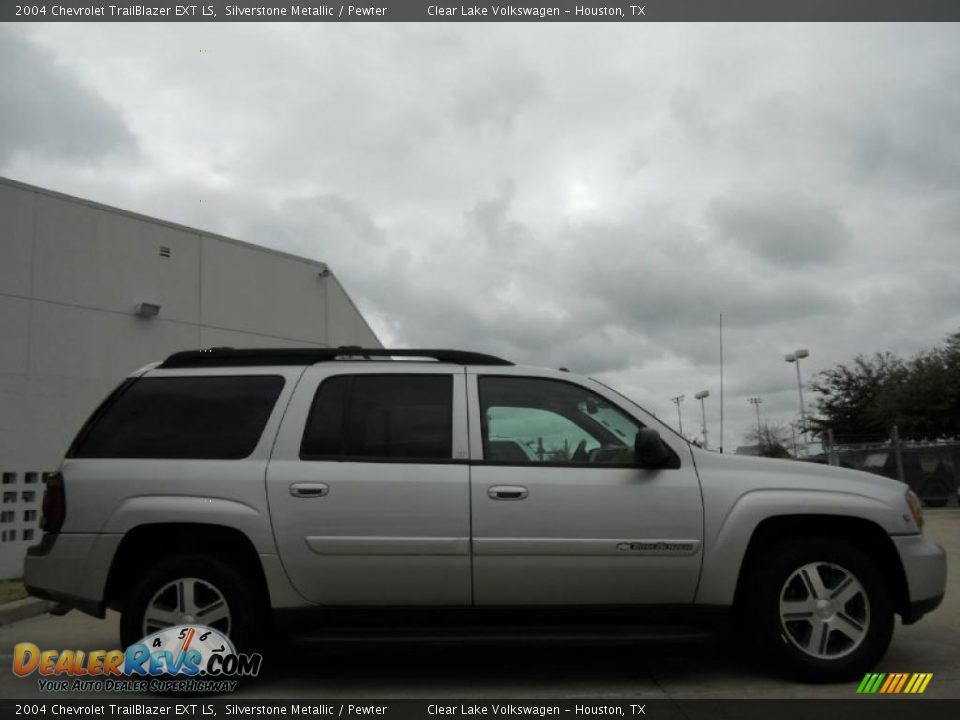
(489,219)
(588,196)
(784,230)
(496,95)
(910,142)
(48,112)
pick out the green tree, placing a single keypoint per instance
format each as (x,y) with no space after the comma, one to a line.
(771,440)
(920,403)
(854,398)
(920,395)
(951,353)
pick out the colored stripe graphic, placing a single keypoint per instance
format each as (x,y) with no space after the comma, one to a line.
(866,683)
(903,681)
(894,683)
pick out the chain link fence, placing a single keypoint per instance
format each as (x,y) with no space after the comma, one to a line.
(930,468)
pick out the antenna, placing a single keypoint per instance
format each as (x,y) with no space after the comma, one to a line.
(721,383)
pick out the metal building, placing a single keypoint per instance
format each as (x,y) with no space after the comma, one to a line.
(89,293)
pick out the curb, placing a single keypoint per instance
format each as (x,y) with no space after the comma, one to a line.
(29,607)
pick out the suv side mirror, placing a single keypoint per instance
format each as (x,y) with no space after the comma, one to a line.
(649,449)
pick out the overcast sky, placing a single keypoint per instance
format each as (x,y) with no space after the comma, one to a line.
(586,196)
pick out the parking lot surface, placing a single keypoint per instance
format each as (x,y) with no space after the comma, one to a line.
(705,668)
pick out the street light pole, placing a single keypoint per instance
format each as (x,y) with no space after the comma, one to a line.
(679,399)
(703,413)
(795,358)
(755,401)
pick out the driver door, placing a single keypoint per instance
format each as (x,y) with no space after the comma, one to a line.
(561,515)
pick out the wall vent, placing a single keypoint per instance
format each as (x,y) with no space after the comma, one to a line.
(20,501)
(164,251)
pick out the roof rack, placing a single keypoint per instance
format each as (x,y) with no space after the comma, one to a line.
(232,357)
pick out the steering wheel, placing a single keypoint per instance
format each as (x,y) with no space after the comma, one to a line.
(580,453)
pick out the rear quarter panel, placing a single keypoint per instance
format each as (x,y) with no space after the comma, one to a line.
(113,496)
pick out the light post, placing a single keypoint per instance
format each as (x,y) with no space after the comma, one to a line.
(703,413)
(755,401)
(679,399)
(795,358)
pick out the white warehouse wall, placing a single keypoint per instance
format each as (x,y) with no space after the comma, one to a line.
(71,274)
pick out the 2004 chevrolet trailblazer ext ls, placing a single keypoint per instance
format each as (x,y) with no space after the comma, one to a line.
(221,487)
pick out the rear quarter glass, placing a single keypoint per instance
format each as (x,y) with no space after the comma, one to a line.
(192,417)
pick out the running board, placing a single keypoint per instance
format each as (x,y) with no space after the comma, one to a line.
(501,635)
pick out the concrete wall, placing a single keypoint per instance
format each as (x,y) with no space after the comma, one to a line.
(71,274)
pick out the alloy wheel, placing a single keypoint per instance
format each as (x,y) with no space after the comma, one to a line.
(824,610)
(187,601)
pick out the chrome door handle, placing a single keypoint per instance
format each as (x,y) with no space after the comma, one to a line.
(507,492)
(309,489)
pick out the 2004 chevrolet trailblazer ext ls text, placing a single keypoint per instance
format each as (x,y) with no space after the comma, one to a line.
(218,487)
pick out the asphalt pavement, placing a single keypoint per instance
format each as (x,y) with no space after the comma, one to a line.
(703,668)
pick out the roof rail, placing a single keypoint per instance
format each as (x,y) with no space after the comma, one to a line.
(232,357)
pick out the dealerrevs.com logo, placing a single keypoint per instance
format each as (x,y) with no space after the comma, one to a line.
(182,658)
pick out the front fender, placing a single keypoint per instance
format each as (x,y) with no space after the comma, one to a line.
(728,534)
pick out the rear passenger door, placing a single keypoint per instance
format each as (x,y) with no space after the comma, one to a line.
(369,486)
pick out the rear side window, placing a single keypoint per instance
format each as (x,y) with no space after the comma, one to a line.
(199,418)
(372,417)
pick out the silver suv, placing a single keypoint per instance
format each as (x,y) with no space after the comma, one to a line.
(221,487)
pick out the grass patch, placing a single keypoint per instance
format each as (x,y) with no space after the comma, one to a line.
(11,590)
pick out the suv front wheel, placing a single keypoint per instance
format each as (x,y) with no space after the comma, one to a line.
(190,589)
(820,608)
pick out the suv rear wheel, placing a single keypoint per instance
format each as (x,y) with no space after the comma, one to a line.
(191,589)
(820,608)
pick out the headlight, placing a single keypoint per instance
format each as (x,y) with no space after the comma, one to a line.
(916,508)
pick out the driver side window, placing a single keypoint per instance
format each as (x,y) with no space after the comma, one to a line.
(539,421)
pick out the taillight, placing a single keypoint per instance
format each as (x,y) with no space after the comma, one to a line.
(54,504)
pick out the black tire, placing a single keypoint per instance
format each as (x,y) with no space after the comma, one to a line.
(246,607)
(779,641)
